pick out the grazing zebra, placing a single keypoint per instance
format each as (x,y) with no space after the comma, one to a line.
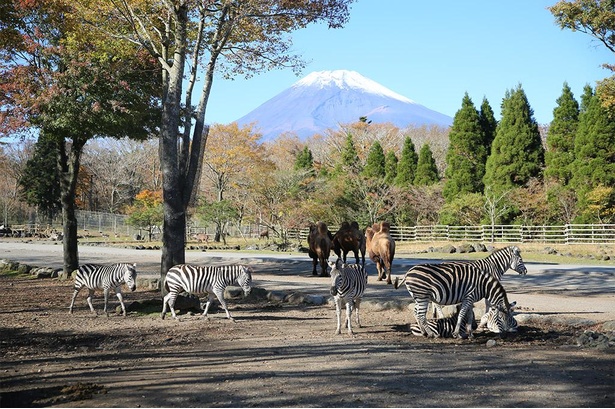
(449,284)
(107,277)
(209,279)
(348,283)
(489,320)
(444,327)
(496,264)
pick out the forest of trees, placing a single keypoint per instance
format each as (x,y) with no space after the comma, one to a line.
(480,171)
(109,104)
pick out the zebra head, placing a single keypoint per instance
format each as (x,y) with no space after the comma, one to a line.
(499,319)
(335,274)
(516,262)
(245,280)
(130,276)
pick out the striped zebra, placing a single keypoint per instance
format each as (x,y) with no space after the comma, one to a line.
(496,264)
(444,327)
(204,279)
(489,320)
(348,283)
(107,277)
(449,284)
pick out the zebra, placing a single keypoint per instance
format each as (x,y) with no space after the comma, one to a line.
(449,284)
(489,320)
(107,277)
(200,279)
(496,264)
(444,327)
(348,283)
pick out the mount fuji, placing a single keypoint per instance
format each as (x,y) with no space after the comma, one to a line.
(326,99)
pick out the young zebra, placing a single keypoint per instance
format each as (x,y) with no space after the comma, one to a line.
(107,277)
(209,279)
(444,327)
(496,264)
(489,320)
(449,284)
(348,283)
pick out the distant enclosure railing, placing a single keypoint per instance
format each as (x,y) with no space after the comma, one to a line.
(110,224)
(566,234)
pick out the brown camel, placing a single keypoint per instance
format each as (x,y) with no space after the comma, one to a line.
(349,238)
(320,244)
(381,248)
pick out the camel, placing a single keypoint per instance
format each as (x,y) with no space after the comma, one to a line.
(381,248)
(320,244)
(349,238)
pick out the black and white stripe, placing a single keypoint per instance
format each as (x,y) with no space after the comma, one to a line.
(348,282)
(204,279)
(496,264)
(107,277)
(449,284)
(490,318)
(444,327)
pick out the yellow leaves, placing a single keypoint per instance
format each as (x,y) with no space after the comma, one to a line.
(149,198)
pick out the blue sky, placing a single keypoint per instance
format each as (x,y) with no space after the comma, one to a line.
(433,52)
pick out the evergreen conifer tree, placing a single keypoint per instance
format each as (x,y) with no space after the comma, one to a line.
(304,160)
(390,167)
(426,170)
(594,148)
(517,154)
(560,139)
(406,167)
(466,155)
(374,165)
(350,158)
(488,123)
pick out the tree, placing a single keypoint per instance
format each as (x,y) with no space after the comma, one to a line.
(224,38)
(406,168)
(594,149)
(488,124)
(350,158)
(466,156)
(426,169)
(390,167)
(467,209)
(560,139)
(596,18)
(304,160)
(375,163)
(40,183)
(517,154)
(60,78)
(146,212)
(220,213)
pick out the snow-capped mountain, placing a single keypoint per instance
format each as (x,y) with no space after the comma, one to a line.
(326,99)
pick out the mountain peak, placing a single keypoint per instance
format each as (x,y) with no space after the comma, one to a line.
(345,79)
(325,99)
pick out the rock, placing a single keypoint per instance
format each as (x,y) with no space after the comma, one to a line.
(276,296)
(491,343)
(187,302)
(233,292)
(465,248)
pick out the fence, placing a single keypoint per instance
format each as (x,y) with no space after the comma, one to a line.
(110,224)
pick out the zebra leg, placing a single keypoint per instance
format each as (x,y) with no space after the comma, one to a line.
(463,316)
(349,316)
(106,292)
(89,300)
(170,299)
(338,313)
(118,293)
(357,307)
(420,312)
(210,298)
(72,302)
(165,300)
(220,295)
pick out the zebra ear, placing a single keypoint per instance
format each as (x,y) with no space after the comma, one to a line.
(513,305)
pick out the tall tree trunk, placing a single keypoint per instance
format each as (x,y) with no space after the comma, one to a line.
(69,158)
(173,178)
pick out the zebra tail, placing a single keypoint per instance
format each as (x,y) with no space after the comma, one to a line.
(396,283)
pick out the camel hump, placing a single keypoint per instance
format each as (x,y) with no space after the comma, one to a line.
(344,226)
(355,225)
(322,228)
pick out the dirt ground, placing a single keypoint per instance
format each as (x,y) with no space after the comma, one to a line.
(281,353)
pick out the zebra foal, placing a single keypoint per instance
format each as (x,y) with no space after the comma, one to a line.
(449,284)
(107,277)
(204,279)
(348,283)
